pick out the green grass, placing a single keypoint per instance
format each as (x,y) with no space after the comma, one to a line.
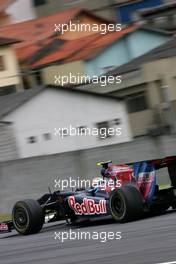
(5,218)
(164,186)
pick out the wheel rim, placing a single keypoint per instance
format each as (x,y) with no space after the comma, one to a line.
(21,218)
(118,206)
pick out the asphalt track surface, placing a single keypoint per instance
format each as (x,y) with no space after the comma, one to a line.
(147,241)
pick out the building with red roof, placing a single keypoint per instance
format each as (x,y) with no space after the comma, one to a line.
(50,45)
(96,54)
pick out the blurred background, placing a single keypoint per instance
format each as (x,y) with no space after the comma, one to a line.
(32,104)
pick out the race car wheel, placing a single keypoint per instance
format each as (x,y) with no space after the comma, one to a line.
(126,204)
(28,217)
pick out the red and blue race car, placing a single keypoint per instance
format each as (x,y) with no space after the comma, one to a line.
(124,193)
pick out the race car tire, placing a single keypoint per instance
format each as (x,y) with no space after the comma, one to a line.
(126,204)
(28,217)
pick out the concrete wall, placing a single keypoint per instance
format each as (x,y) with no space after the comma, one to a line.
(48,74)
(164,70)
(140,122)
(29,178)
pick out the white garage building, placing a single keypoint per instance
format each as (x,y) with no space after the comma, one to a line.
(44,120)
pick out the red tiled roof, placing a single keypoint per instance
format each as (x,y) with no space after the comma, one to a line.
(25,52)
(69,48)
(98,45)
(38,29)
(82,49)
(5,3)
(35,30)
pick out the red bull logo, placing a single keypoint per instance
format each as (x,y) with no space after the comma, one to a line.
(87,207)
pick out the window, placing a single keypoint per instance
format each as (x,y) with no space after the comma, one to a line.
(160,90)
(47,136)
(32,140)
(39,2)
(82,130)
(116,122)
(2,64)
(103,128)
(107,129)
(137,103)
(38,78)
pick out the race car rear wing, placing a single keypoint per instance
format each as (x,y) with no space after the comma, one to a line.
(159,163)
(167,162)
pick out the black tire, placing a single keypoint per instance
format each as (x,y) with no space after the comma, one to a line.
(126,204)
(28,217)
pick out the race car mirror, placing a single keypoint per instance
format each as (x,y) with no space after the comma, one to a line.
(104,164)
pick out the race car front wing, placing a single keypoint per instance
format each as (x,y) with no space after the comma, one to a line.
(6,227)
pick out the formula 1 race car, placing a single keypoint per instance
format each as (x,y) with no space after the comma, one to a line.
(125,193)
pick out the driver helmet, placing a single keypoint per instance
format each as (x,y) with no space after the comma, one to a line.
(102,184)
(98,182)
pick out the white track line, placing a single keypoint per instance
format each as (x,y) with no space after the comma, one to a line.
(173,262)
